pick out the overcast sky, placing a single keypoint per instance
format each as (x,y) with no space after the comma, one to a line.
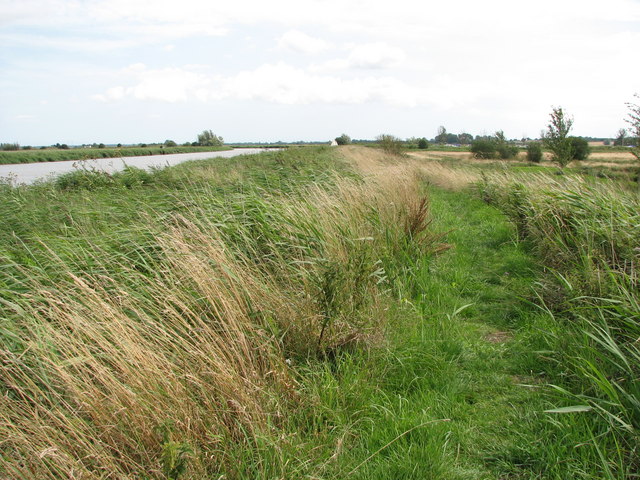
(83,71)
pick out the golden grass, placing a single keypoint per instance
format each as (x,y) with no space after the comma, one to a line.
(109,370)
(127,374)
(388,169)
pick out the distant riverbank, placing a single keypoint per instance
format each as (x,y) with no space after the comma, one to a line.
(60,155)
(31,172)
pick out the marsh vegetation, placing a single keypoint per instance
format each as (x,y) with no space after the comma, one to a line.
(321,313)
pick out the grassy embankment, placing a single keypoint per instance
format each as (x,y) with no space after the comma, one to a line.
(286,316)
(56,155)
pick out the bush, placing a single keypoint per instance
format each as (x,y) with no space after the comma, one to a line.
(83,179)
(534,152)
(389,143)
(580,148)
(483,148)
(506,151)
(343,139)
(132,176)
(170,143)
(423,144)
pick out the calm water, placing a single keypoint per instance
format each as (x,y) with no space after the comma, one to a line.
(30,172)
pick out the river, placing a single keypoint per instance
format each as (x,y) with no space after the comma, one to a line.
(30,172)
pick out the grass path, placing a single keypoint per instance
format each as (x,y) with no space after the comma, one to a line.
(460,393)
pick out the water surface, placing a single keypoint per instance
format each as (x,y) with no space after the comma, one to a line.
(30,172)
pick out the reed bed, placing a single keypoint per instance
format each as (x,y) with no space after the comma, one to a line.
(588,235)
(155,339)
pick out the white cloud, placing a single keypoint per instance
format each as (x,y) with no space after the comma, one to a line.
(376,55)
(276,83)
(302,43)
(165,85)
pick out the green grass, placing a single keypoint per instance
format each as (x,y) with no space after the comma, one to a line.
(283,316)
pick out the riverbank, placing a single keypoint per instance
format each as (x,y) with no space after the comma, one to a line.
(61,155)
(32,172)
(310,313)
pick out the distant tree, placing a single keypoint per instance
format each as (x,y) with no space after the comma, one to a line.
(343,139)
(580,148)
(556,138)
(484,148)
(621,138)
(119,145)
(452,139)
(170,143)
(389,143)
(534,152)
(465,138)
(9,146)
(101,145)
(633,119)
(504,148)
(423,143)
(441,137)
(208,139)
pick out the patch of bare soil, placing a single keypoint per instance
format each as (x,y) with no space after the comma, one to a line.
(498,337)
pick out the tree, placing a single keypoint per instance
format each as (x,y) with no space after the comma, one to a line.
(208,139)
(534,152)
(423,143)
(483,148)
(580,148)
(343,139)
(556,138)
(465,138)
(621,138)
(9,146)
(170,143)
(633,119)
(441,137)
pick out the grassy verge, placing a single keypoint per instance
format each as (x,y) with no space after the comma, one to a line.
(290,315)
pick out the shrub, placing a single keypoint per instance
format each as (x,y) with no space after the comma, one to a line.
(423,144)
(534,152)
(506,151)
(483,148)
(389,143)
(580,148)
(343,139)
(132,176)
(83,179)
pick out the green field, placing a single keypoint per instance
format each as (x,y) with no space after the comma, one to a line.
(321,313)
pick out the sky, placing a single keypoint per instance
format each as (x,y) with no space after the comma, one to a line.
(131,71)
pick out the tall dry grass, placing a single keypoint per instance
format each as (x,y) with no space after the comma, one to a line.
(170,359)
